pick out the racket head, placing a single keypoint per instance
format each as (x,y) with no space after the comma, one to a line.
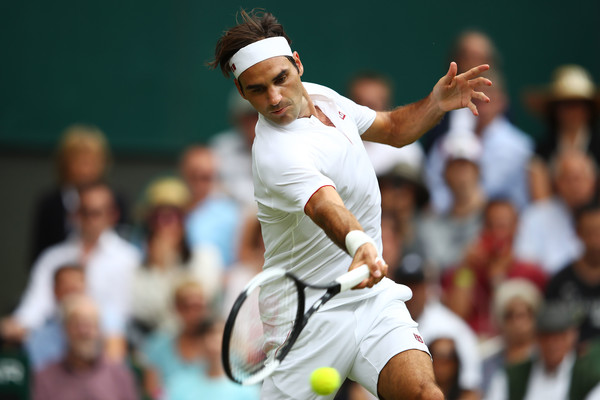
(262,325)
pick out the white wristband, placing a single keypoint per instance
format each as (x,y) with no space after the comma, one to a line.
(355,239)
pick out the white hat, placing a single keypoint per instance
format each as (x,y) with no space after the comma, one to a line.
(461,145)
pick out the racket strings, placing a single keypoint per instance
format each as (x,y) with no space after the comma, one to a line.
(262,326)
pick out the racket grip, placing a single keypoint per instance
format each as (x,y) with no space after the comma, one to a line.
(353,278)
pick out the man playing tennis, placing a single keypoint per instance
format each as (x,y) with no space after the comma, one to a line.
(319,208)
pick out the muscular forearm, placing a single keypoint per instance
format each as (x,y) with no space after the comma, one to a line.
(405,124)
(327,210)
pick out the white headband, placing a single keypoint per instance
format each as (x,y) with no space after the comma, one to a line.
(257,52)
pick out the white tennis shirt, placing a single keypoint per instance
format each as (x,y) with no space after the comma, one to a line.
(290,163)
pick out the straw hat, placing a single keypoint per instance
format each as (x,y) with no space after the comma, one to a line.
(163,192)
(569,82)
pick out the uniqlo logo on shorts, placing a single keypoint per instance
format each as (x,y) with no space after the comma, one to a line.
(342,115)
(419,338)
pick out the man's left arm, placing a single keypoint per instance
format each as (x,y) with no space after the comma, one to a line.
(408,123)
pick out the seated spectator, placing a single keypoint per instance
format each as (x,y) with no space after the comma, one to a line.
(446,366)
(233,150)
(375,91)
(515,305)
(168,353)
(404,197)
(505,154)
(438,322)
(213,218)
(48,343)
(569,106)
(168,258)
(109,263)
(579,282)
(250,262)
(83,373)
(469,49)
(469,287)
(546,233)
(82,158)
(211,383)
(446,236)
(555,371)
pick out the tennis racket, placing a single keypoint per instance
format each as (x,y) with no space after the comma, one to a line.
(267,318)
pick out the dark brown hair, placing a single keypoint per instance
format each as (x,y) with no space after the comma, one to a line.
(256,25)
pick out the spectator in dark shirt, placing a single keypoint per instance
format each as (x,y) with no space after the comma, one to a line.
(579,281)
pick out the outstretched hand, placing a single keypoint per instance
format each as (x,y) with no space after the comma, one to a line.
(454,91)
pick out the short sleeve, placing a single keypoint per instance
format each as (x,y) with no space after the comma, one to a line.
(289,177)
(362,116)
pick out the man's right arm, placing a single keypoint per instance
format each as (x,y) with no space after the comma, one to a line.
(328,211)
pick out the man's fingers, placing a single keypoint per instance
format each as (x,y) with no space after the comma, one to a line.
(473,72)
(451,74)
(480,82)
(473,108)
(480,96)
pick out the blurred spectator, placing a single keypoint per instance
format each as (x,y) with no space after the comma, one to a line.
(404,197)
(250,261)
(470,49)
(48,343)
(546,233)
(445,236)
(438,322)
(505,153)
(109,263)
(233,150)
(550,373)
(469,287)
(82,158)
(168,258)
(213,218)
(570,106)
(446,366)
(211,383)
(83,373)
(168,353)
(375,91)
(515,305)
(579,282)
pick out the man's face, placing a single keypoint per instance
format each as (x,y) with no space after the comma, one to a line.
(274,89)
(69,282)
(588,229)
(371,93)
(83,332)
(555,346)
(575,180)
(96,211)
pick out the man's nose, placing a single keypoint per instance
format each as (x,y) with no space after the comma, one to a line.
(274,96)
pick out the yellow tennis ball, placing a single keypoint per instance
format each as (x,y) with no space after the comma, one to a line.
(325,380)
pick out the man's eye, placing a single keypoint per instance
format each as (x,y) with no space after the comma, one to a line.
(281,79)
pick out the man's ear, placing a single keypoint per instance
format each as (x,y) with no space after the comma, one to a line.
(296,57)
(239,88)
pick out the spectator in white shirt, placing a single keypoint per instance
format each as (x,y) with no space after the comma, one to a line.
(109,263)
(546,233)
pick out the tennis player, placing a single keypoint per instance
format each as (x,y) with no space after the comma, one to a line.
(319,208)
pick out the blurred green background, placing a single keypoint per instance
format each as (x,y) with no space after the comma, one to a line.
(137,70)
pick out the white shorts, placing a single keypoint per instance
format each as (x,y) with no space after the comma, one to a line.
(357,339)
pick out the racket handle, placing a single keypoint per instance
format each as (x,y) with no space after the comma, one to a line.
(353,278)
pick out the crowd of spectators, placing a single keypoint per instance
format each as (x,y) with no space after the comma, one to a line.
(496,233)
